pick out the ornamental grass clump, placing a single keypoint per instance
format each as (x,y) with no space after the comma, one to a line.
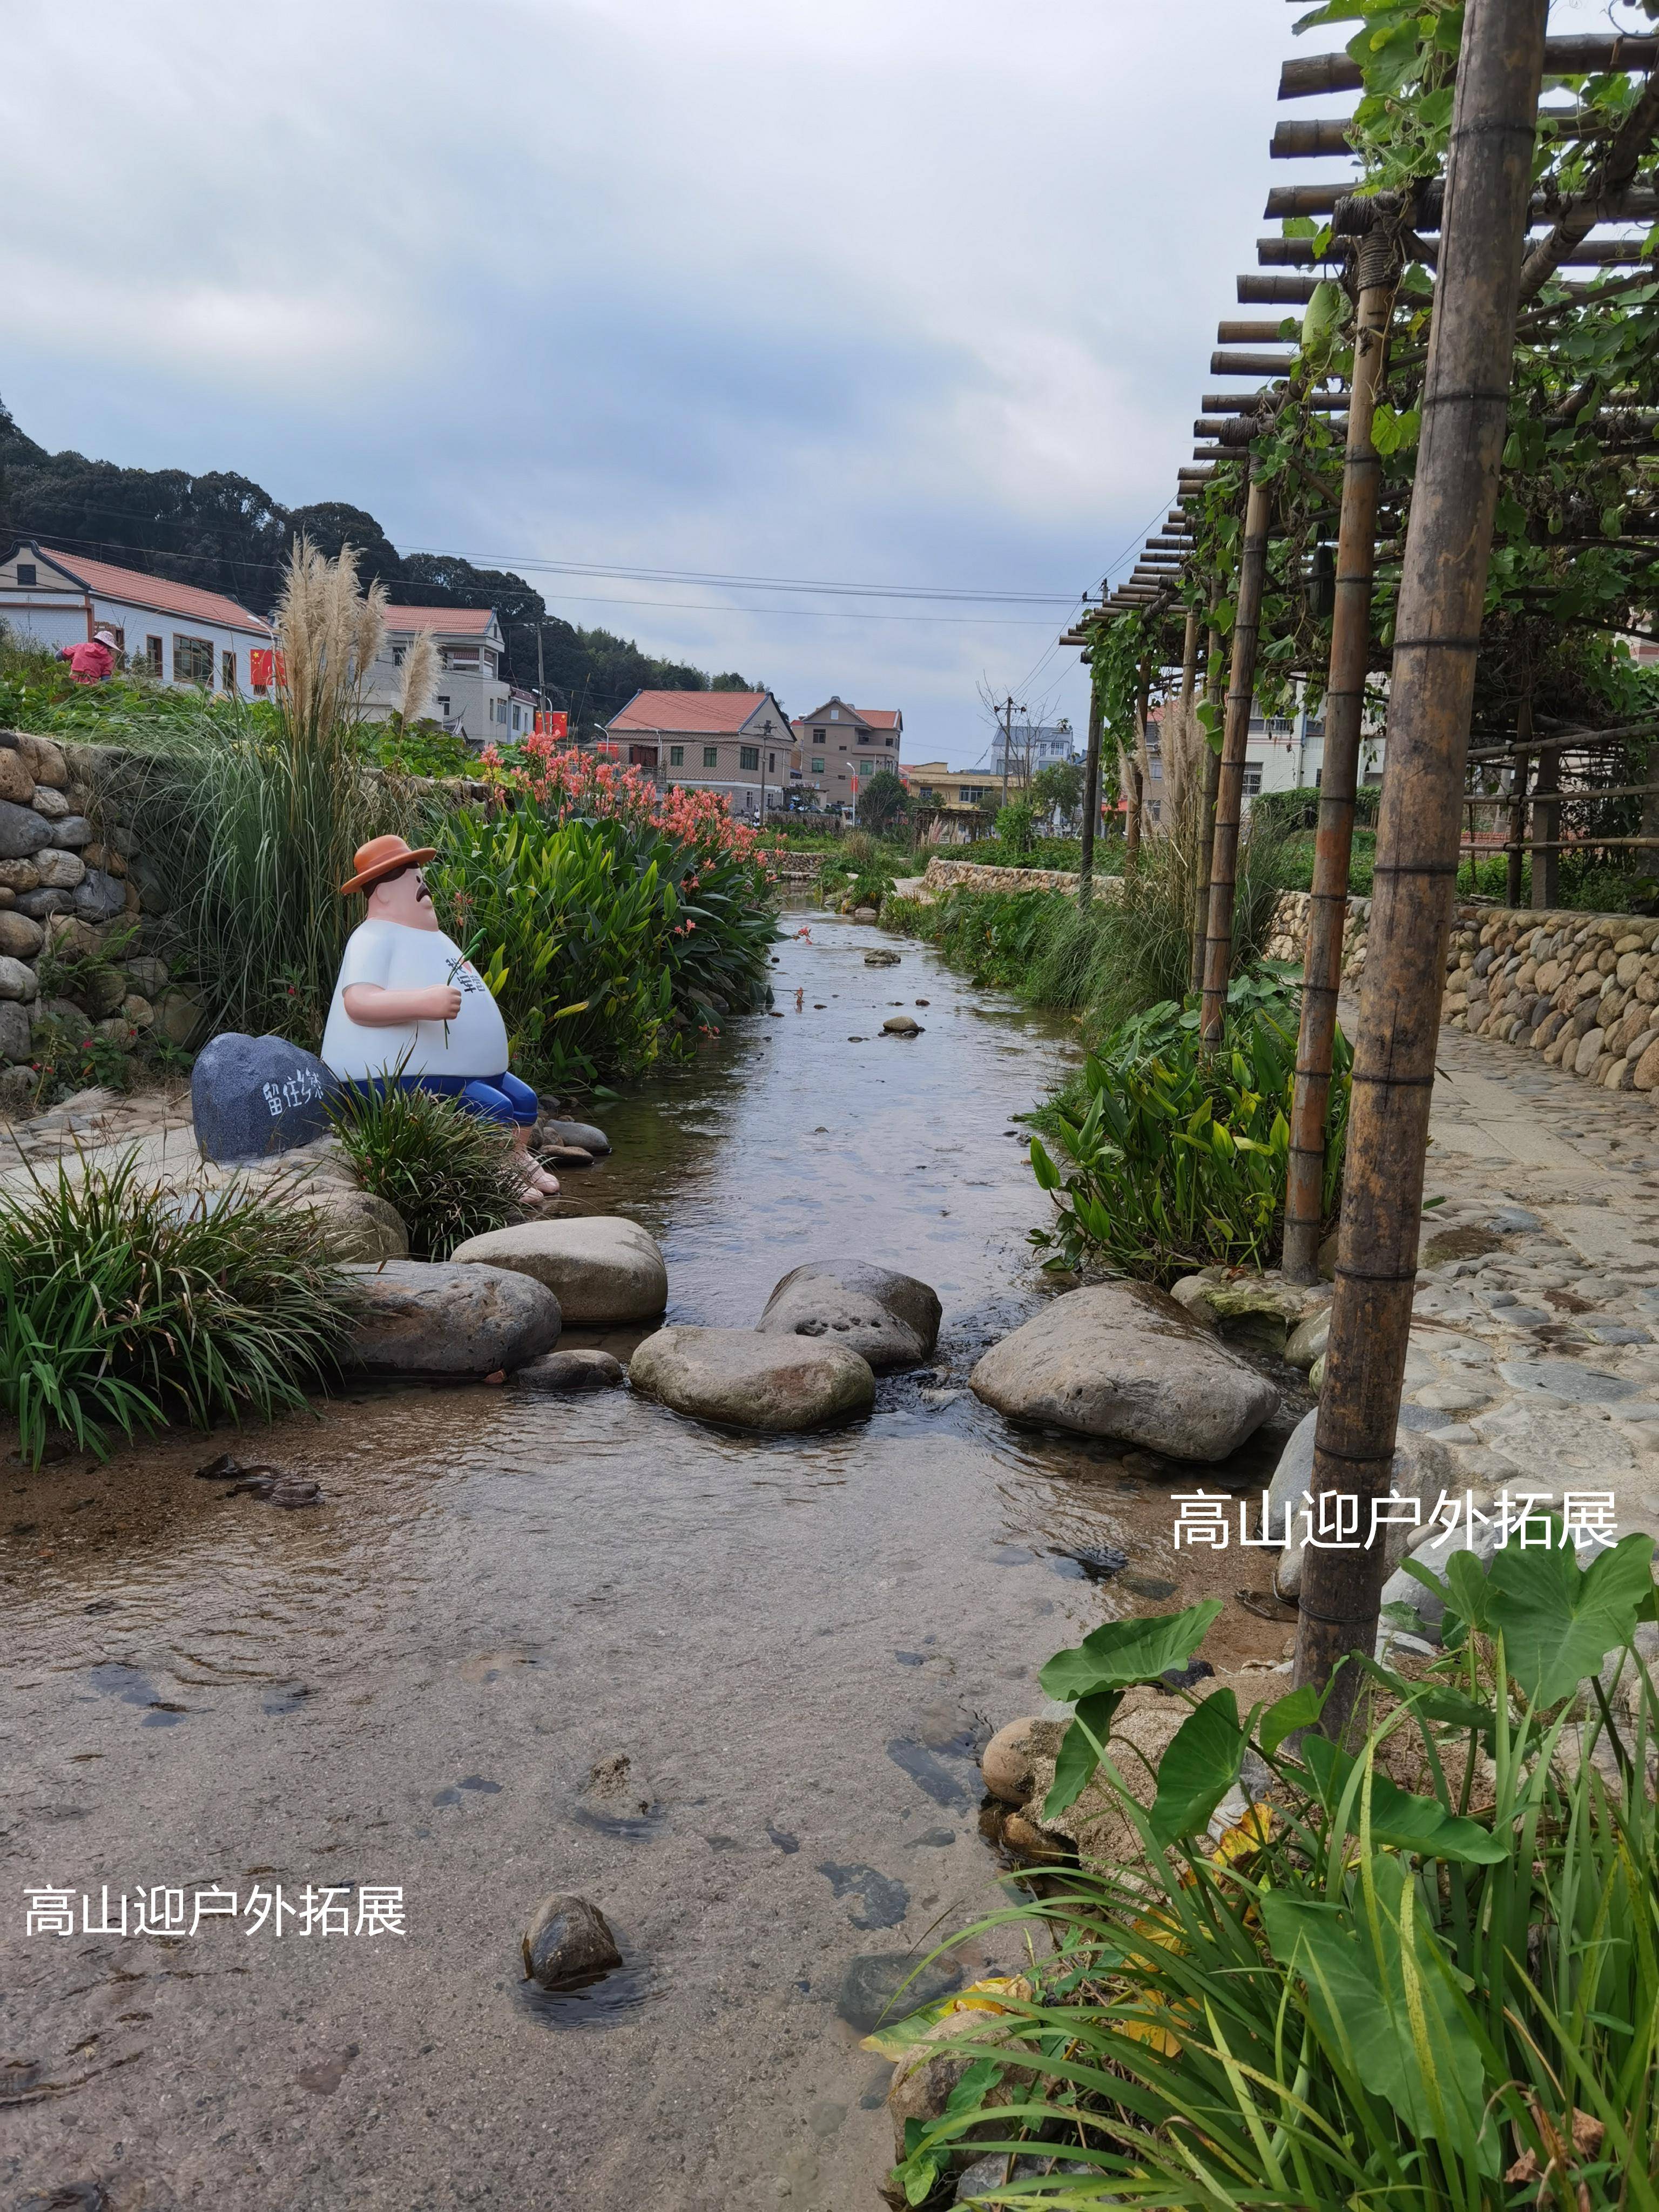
(252,815)
(449,1174)
(124,1306)
(1322,1985)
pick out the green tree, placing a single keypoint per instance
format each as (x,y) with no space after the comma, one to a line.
(1058,790)
(883,801)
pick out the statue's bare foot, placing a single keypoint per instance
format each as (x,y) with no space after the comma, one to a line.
(547,1185)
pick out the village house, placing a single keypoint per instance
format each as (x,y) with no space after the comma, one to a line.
(735,743)
(177,633)
(472,694)
(839,748)
(953,805)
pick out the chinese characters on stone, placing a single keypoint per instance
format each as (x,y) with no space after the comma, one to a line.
(1340,1521)
(378,1912)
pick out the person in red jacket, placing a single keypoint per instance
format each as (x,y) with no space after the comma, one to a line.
(93,662)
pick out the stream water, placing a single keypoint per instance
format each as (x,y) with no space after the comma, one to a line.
(798,1643)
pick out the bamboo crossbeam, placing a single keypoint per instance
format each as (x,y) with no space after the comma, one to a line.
(1258,291)
(1637,204)
(1297,252)
(1262,333)
(1308,76)
(1227,363)
(1309,140)
(1572,741)
(1247,402)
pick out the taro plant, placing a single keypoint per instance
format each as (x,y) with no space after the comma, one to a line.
(1176,1158)
(1418,1975)
(124,1305)
(447,1173)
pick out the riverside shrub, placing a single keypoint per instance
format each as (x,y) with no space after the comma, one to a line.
(606,915)
(1174,1158)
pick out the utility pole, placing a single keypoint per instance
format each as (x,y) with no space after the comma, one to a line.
(1007,740)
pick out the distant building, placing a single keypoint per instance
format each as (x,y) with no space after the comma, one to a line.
(471,695)
(735,743)
(836,751)
(1032,746)
(178,634)
(953,805)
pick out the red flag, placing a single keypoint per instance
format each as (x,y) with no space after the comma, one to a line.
(552,722)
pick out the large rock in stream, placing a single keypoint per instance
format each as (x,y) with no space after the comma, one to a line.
(430,1317)
(739,1376)
(889,1319)
(1122,1360)
(1422,1467)
(603,1269)
(251,1098)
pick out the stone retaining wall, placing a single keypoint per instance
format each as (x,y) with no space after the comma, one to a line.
(796,868)
(74,886)
(1581,988)
(1287,938)
(973,876)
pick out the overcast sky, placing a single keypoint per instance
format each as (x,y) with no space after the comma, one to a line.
(887,292)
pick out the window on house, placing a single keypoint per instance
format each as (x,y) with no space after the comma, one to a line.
(463,658)
(1252,781)
(818,736)
(677,756)
(193,660)
(818,767)
(748,756)
(771,764)
(443,708)
(1319,777)
(835,713)
(153,654)
(398,653)
(227,672)
(843,748)
(26,573)
(711,755)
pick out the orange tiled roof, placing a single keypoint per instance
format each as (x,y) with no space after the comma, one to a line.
(711,712)
(105,580)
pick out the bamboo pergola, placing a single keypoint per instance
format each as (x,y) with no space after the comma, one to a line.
(1450,278)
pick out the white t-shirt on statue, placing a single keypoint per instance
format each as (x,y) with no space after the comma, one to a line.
(401,959)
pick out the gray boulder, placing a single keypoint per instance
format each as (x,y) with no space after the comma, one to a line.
(39,904)
(603,1269)
(73,830)
(16,981)
(98,896)
(16,1032)
(429,1317)
(22,831)
(253,1096)
(752,1382)
(20,936)
(1422,1468)
(1122,1360)
(357,1226)
(564,1373)
(59,871)
(889,1319)
(568,1943)
(582,1135)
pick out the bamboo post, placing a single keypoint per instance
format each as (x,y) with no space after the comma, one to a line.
(1179,752)
(1514,857)
(1129,774)
(1091,797)
(1465,409)
(1207,790)
(1143,769)
(1229,783)
(1344,704)
(1546,830)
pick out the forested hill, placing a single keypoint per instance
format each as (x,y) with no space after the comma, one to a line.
(226,533)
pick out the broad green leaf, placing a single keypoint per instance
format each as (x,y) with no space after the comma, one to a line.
(1199,1768)
(1558,1621)
(1078,1757)
(1123,1652)
(1042,1167)
(1387,2009)
(1298,1711)
(1399,1819)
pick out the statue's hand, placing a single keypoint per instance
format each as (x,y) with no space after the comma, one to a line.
(440,1004)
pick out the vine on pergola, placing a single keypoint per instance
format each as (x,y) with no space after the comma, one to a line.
(1575,558)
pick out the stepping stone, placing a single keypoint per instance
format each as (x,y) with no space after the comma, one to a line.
(431,1317)
(739,1376)
(603,1269)
(889,1319)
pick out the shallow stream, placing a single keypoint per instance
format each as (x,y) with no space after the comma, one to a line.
(797,1644)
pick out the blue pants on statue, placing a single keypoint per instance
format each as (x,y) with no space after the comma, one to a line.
(501,1098)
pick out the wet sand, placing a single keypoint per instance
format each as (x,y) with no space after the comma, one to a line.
(798,1643)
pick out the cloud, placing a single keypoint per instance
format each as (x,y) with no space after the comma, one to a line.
(916,293)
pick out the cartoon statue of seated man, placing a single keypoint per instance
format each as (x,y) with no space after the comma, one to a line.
(410,1008)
